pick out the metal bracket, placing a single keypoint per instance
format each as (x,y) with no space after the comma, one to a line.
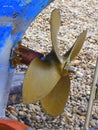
(92,97)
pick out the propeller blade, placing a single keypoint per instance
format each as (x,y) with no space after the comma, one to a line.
(40,79)
(55,101)
(75,49)
(55,23)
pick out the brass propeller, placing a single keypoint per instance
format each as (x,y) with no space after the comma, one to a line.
(40,79)
(48,80)
(73,51)
(55,101)
(55,23)
(45,73)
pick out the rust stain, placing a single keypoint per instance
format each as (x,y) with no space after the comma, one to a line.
(16,26)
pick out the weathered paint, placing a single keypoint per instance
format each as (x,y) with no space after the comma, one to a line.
(13,125)
(15,17)
(18,14)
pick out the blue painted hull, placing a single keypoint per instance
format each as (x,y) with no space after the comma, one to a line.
(15,17)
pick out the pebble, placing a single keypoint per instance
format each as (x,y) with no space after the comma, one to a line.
(22,114)
(12,117)
(12,111)
(96,110)
(92,123)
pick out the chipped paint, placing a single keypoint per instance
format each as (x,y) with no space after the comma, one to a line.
(15,17)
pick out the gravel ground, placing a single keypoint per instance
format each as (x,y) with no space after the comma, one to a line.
(76,15)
